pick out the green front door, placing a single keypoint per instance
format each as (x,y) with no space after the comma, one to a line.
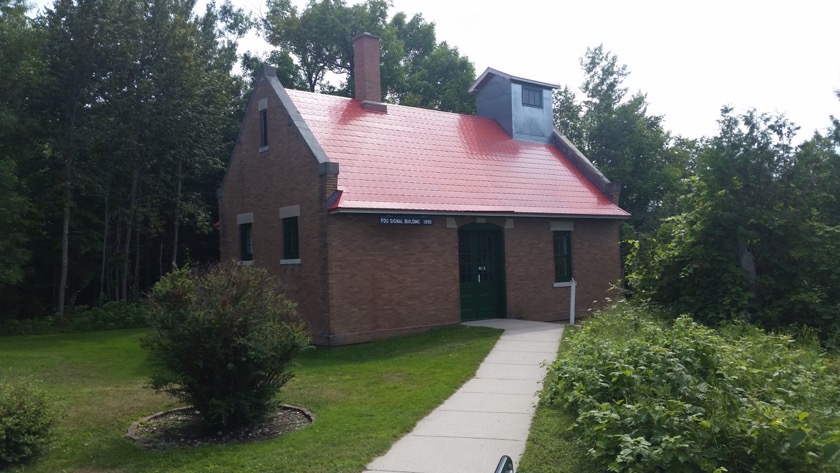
(482,272)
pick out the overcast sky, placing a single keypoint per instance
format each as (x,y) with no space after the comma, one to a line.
(690,58)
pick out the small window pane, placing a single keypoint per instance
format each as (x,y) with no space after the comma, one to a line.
(464,262)
(291,248)
(263,128)
(246,247)
(532,97)
(562,256)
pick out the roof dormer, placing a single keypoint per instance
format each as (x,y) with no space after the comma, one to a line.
(521,106)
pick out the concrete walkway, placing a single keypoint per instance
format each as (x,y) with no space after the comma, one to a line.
(489,416)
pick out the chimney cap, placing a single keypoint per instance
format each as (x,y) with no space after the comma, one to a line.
(266,70)
(354,38)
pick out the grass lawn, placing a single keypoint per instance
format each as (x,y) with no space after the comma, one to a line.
(364,398)
(551,448)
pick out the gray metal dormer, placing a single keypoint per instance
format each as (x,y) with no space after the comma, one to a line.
(521,106)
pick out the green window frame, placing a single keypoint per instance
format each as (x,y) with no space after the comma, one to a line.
(562,256)
(291,245)
(246,245)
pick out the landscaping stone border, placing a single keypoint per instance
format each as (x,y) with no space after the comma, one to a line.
(132,429)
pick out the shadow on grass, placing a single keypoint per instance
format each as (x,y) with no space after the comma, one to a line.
(432,341)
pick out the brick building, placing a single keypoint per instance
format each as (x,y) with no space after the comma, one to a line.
(382,220)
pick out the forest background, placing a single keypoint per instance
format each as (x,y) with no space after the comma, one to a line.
(117,119)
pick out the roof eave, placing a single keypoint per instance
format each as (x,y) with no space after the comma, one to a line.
(506,214)
(490,71)
(325,166)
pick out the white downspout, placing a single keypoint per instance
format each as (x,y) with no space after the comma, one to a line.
(572,303)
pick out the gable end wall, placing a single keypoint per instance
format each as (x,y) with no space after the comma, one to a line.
(262,183)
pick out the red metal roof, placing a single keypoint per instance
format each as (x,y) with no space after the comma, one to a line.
(418,160)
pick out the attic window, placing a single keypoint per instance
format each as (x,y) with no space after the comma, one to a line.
(263,129)
(263,108)
(532,97)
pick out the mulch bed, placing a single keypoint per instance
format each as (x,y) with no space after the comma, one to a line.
(182,427)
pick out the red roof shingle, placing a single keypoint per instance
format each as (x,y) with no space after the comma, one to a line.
(419,160)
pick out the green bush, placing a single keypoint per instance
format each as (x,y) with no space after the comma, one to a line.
(648,396)
(111,315)
(223,340)
(26,421)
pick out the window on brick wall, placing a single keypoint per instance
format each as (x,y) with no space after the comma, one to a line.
(291,247)
(562,256)
(246,245)
(262,106)
(263,129)
(289,218)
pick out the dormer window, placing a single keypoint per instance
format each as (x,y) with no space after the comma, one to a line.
(532,97)
(519,105)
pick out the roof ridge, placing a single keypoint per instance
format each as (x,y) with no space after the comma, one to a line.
(390,104)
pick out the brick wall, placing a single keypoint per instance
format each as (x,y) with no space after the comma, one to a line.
(529,255)
(389,279)
(263,182)
(386,280)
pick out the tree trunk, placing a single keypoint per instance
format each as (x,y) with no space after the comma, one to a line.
(102,269)
(129,233)
(135,288)
(65,239)
(114,270)
(180,178)
(160,260)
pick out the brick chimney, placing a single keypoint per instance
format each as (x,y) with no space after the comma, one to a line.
(366,72)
